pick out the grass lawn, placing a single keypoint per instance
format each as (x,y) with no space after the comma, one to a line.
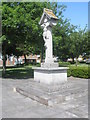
(20,72)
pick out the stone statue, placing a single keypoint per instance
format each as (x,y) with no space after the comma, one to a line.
(48,20)
(45,37)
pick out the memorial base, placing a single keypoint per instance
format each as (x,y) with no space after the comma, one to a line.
(50,75)
(49,65)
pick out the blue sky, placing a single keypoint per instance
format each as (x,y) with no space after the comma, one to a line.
(77,12)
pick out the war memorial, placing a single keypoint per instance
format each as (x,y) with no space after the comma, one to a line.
(50,85)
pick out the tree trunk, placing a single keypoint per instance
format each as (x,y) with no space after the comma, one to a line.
(25,58)
(40,57)
(72,58)
(76,62)
(4,63)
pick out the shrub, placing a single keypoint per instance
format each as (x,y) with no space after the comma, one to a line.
(68,72)
(64,64)
(38,65)
(81,72)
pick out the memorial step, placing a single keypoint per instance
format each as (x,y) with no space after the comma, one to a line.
(50,95)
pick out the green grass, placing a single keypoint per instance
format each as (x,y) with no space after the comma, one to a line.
(20,72)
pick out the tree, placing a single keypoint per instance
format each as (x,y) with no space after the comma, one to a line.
(20,26)
(78,43)
(69,40)
(61,34)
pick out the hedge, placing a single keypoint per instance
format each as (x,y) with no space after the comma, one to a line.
(81,72)
(64,64)
(76,71)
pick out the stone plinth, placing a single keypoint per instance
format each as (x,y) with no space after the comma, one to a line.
(50,75)
(49,65)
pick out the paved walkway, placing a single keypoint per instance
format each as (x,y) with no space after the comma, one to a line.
(14,105)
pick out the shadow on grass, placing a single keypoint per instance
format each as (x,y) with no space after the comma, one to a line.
(18,73)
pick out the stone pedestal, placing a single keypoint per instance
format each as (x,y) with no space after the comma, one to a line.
(49,65)
(50,75)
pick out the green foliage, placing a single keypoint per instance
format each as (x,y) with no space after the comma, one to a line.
(20,25)
(64,64)
(78,42)
(2,39)
(79,71)
(21,33)
(69,72)
(69,41)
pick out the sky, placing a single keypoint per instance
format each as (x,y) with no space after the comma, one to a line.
(77,12)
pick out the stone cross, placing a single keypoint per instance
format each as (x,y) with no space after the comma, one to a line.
(48,20)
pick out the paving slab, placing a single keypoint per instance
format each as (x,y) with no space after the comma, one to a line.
(15,105)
